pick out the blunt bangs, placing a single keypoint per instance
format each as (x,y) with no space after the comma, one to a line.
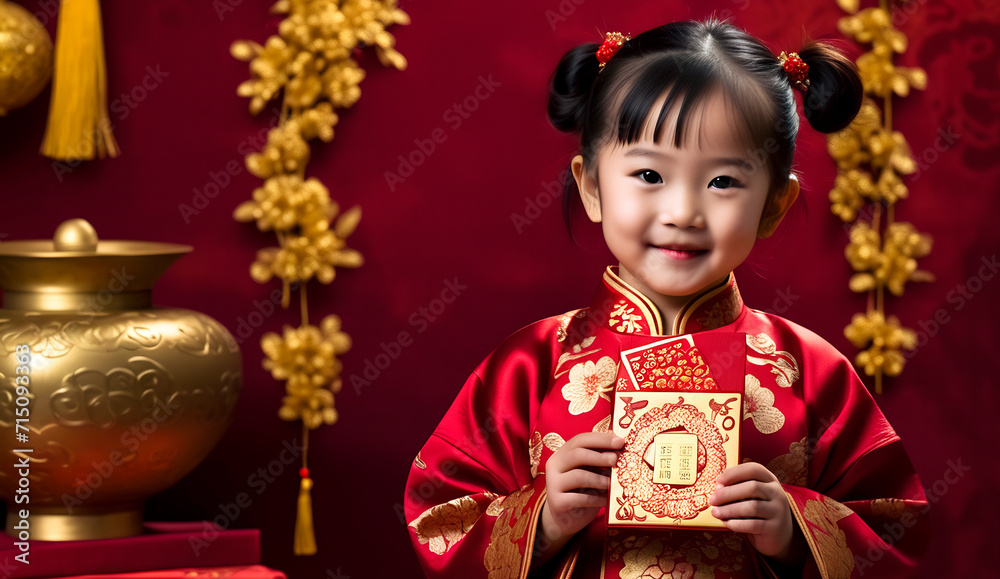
(644,82)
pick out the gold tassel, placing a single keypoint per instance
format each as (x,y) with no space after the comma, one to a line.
(305,538)
(78,126)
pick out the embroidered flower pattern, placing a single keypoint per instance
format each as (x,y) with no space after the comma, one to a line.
(723,312)
(604,425)
(783,364)
(698,557)
(513,516)
(535,452)
(564,321)
(553,441)
(758,404)
(588,382)
(793,467)
(576,352)
(823,515)
(441,526)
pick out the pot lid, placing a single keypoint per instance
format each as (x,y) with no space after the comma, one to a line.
(75,260)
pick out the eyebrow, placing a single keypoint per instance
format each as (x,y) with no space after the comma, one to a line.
(717,161)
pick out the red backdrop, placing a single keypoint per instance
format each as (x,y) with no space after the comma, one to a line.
(477,82)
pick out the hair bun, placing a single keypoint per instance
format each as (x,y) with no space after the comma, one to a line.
(835,90)
(570,87)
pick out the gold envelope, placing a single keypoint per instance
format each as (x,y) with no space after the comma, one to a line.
(680,417)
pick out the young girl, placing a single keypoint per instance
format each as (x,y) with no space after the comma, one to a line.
(687,133)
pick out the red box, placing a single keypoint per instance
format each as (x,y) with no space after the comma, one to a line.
(161,546)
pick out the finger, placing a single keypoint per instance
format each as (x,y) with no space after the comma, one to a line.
(744,491)
(604,470)
(748,526)
(579,479)
(566,502)
(744,472)
(568,459)
(747,510)
(596,440)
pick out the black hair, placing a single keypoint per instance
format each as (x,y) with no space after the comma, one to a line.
(687,61)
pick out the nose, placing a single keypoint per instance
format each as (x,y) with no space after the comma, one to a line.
(681,207)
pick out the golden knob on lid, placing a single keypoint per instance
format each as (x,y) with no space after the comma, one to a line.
(75,235)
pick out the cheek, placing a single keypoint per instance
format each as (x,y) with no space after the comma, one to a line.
(739,226)
(624,215)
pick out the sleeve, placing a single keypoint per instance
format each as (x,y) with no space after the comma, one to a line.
(863,509)
(471,502)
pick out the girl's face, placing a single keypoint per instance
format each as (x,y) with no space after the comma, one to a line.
(680,219)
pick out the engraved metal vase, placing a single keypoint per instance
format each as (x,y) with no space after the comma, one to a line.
(123,399)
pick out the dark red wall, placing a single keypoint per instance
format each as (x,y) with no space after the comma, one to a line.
(451,221)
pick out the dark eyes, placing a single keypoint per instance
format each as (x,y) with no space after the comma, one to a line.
(723,182)
(649,176)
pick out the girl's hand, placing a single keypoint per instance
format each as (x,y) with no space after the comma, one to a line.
(577,477)
(749,499)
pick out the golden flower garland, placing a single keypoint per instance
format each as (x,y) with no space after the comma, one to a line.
(871,158)
(309,65)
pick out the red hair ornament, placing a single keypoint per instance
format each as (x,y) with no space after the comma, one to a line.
(796,69)
(613,41)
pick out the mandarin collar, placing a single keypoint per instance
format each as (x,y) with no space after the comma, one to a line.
(625,310)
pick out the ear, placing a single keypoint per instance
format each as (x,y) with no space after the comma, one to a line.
(777,205)
(587,185)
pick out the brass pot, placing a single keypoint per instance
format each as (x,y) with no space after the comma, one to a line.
(118,400)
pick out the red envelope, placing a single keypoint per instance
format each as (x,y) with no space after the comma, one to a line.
(678,404)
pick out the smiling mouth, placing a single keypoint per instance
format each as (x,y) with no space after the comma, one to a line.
(681,253)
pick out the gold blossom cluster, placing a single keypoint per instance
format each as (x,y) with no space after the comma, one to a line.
(872,159)
(886,261)
(309,65)
(884,338)
(307,358)
(310,57)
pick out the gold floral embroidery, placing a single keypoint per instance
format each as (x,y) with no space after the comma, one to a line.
(564,323)
(699,556)
(577,351)
(758,404)
(588,382)
(535,452)
(441,526)
(838,510)
(604,425)
(761,343)
(893,508)
(783,364)
(724,312)
(503,555)
(622,318)
(792,468)
(552,441)
(639,560)
(835,557)
(419,462)
(495,507)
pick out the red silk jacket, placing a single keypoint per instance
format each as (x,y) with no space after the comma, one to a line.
(476,488)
